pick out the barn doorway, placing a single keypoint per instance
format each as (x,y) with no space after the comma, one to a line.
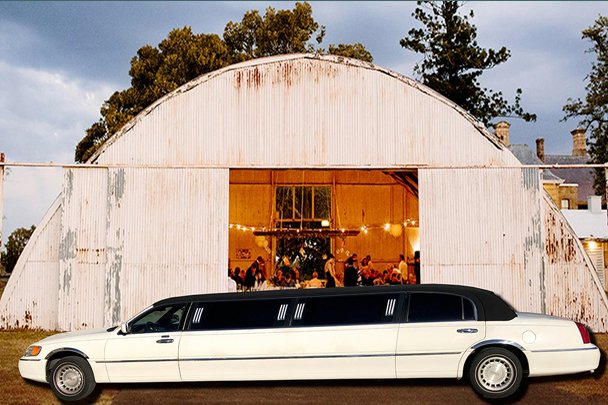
(295,218)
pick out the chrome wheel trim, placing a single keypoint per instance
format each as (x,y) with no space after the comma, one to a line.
(69,379)
(496,373)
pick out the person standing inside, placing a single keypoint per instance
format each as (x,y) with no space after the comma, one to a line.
(330,271)
(249,280)
(403,269)
(417,266)
(350,273)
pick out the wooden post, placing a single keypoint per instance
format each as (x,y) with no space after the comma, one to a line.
(606,194)
(1,197)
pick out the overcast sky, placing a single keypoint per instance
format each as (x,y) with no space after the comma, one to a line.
(60,60)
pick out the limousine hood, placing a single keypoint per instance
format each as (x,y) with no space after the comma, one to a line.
(92,334)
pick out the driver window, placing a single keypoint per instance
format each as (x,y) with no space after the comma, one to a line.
(159,319)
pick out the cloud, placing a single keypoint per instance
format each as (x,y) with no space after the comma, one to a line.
(45,113)
(28,194)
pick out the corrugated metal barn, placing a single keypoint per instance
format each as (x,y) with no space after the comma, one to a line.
(168,201)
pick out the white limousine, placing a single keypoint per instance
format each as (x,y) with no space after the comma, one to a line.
(420,331)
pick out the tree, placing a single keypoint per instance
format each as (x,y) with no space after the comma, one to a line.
(355,51)
(14,246)
(453,61)
(278,32)
(183,56)
(154,72)
(592,112)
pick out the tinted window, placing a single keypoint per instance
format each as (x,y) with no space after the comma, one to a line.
(346,310)
(239,314)
(432,307)
(159,319)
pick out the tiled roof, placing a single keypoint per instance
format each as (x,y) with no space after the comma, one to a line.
(582,177)
(526,156)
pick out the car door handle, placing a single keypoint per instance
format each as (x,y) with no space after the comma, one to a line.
(164,341)
(467,330)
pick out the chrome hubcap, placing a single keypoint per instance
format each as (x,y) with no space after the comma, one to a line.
(495,373)
(69,379)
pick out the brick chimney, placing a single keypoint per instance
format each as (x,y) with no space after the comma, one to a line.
(501,130)
(540,149)
(579,142)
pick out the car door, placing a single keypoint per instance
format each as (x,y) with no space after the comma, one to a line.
(243,339)
(344,336)
(438,329)
(149,352)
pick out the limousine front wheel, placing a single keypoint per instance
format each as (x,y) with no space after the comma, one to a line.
(495,373)
(72,378)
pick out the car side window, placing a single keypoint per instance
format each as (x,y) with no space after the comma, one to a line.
(246,314)
(345,310)
(166,318)
(437,307)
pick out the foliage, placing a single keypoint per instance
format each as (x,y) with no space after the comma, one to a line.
(183,56)
(14,246)
(355,51)
(278,32)
(592,112)
(453,61)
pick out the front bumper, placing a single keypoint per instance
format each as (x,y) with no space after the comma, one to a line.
(33,369)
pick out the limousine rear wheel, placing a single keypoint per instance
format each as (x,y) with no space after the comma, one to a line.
(72,378)
(495,373)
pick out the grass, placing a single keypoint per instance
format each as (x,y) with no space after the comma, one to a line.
(14,389)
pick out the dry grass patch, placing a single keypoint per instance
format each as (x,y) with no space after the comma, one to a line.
(16,390)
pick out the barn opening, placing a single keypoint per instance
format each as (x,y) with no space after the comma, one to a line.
(295,218)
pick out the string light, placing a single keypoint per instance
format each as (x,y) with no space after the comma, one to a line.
(364,229)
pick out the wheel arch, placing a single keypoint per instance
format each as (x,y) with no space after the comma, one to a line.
(513,347)
(61,353)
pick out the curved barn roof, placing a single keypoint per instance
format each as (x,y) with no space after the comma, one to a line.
(304,110)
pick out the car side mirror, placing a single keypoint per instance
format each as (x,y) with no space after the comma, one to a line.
(124,329)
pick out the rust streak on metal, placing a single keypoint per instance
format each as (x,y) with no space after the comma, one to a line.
(287,73)
(238,77)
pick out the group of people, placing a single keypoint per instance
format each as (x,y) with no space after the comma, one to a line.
(251,279)
(254,278)
(366,274)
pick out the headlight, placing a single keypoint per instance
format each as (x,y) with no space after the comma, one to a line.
(32,351)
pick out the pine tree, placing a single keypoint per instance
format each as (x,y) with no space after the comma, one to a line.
(592,112)
(453,61)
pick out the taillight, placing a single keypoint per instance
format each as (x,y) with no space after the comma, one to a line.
(583,332)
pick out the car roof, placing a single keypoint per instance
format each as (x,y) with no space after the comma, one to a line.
(490,306)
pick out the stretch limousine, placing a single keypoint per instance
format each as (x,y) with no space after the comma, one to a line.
(418,331)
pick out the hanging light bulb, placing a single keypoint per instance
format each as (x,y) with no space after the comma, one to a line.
(387,227)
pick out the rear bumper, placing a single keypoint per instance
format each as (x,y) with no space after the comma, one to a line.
(567,361)
(33,369)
